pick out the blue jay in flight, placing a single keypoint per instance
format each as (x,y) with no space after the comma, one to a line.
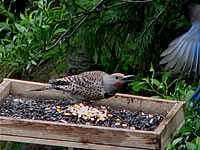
(183,54)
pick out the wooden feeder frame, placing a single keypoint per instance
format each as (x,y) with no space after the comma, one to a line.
(86,136)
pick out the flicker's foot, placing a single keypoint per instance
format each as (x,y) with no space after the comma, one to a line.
(72,102)
(88,102)
(91,101)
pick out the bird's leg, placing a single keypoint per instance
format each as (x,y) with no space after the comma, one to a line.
(197,95)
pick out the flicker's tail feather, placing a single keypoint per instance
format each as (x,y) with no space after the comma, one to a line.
(62,81)
(43,88)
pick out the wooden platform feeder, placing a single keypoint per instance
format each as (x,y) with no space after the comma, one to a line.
(91,137)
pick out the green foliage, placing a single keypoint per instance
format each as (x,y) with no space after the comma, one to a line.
(24,41)
(113,37)
(189,135)
(11,145)
(161,88)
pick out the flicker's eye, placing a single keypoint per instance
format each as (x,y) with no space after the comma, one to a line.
(116,77)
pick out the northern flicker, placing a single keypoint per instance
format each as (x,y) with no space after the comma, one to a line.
(89,86)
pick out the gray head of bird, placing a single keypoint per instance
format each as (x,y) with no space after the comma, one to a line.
(114,83)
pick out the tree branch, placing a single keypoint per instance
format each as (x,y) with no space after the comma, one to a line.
(79,6)
(150,24)
(107,7)
(144,1)
(75,26)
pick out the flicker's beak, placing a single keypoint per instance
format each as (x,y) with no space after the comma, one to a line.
(127,79)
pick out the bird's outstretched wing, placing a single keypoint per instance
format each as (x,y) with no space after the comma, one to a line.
(197,95)
(183,54)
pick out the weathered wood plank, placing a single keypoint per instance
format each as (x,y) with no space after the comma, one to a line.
(4,90)
(171,124)
(65,143)
(78,133)
(138,103)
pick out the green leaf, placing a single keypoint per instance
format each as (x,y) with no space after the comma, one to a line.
(22,16)
(46,26)
(185,129)
(155,82)
(161,86)
(176,141)
(146,79)
(132,45)
(165,77)
(198,142)
(136,86)
(3,26)
(13,64)
(197,124)
(95,56)
(20,28)
(151,69)
(60,30)
(33,62)
(7,20)
(191,146)
(2,51)
(188,95)
(181,147)
(167,97)
(6,40)
(31,15)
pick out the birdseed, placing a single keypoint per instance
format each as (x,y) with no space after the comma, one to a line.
(62,111)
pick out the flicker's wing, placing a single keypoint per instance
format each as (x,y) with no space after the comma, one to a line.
(91,79)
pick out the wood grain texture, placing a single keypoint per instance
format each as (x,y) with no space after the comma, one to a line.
(77,133)
(85,136)
(4,89)
(65,143)
(171,124)
(138,103)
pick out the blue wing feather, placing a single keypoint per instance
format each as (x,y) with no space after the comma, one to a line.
(183,53)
